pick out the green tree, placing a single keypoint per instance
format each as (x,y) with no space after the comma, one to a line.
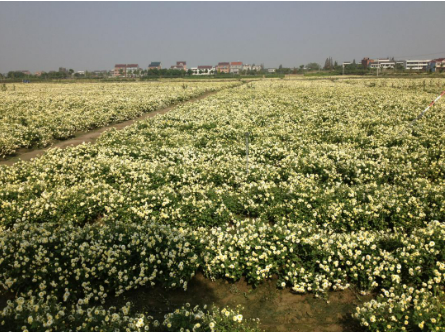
(313,66)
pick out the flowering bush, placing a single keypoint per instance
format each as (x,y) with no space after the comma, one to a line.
(189,319)
(94,261)
(38,313)
(44,313)
(409,309)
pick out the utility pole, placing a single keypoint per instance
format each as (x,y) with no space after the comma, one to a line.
(247,152)
(378,66)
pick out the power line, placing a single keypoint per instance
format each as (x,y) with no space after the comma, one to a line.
(407,56)
(412,56)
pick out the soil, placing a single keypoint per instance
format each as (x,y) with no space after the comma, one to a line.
(90,136)
(278,310)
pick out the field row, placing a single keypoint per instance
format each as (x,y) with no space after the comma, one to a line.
(36,114)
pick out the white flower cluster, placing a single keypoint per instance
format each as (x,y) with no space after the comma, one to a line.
(188,319)
(404,309)
(93,262)
(45,313)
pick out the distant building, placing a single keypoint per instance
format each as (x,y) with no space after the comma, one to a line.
(62,70)
(382,63)
(271,70)
(223,67)
(436,65)
(39,73)
(246,67)
(123,70)
(180,65)
(120,70)
(253,67)
(132,70)
(416,64)
(236,67)
(365,63)
(155,65)
(203,70)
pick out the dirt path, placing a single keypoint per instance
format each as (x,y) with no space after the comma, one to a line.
(92,135)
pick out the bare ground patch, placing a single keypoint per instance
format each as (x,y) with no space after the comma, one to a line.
(278,310)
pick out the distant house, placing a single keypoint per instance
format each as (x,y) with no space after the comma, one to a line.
(155,65)
(203,70)
(365,63)
(436,65)
(132,70)
(180,65)
(120,70)
(256,68)
(223,67)
(236,67)
(39,73)
(247,67)
(271,70)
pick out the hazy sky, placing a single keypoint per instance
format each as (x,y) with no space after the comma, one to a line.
(96,35)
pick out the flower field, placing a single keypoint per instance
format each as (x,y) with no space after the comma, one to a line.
(36,114)
(340,193)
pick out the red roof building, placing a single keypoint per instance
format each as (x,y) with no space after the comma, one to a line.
(120,70)
(236,67)
(223,67)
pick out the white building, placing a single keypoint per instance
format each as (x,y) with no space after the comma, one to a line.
(203,70)
(236,67)
(132,69)
(383,64)
(416,64)
(247,67)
